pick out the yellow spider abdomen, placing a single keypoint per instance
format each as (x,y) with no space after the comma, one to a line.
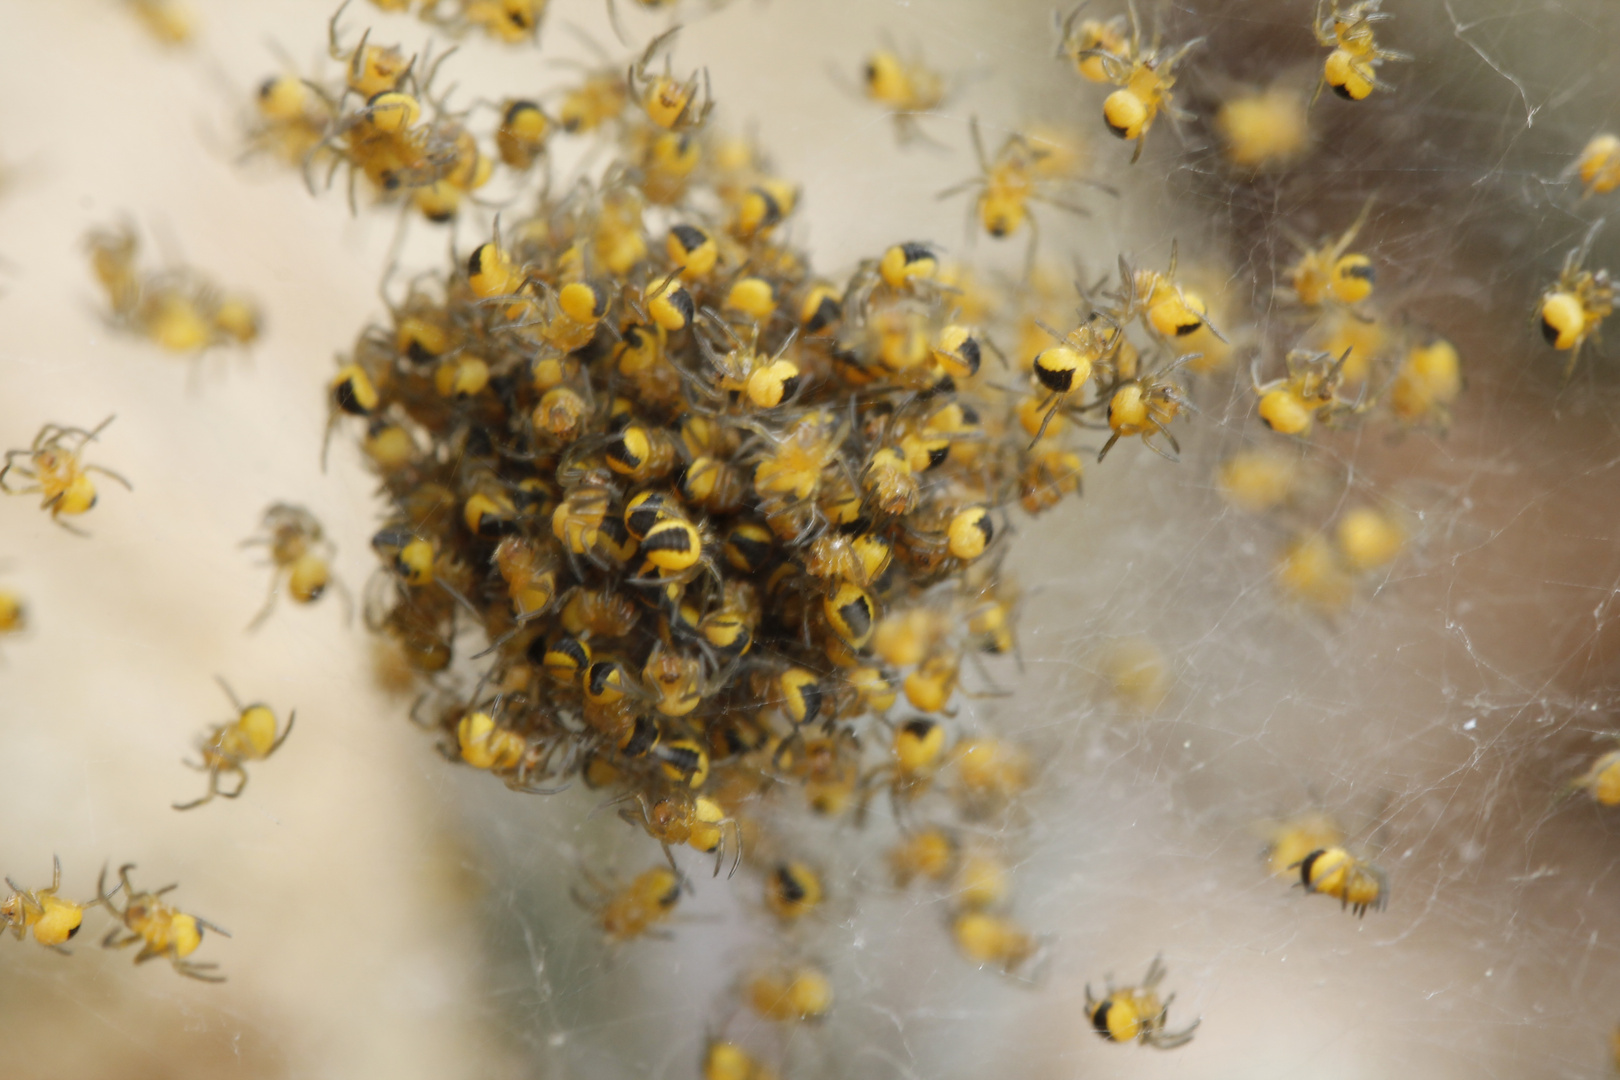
(1284,412)
(1563,320)
(1125,114)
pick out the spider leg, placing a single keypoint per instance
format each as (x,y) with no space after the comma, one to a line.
(1202,315)
(242,783)
(1179,54)
(1034,241)
(200,972)
(1107,446)
(74,529)
(213,789)
(978,144)
(108,472)
(1574,358)
(1057,401)
(736,848)
(1175,448)
(269,604)
(291,718)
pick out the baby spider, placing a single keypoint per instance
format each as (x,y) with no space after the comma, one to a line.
(1333,871)
(723,1060)
(350,393)
(250,737)
(298,548)
(599,99)
(986,938)
(680,817)
(1427,382)
(371,69)
(669,103)
(169,22)
(1288,842)
(918,752)
(636,909)
(1307,394)
(908,87)
(159,929)
(1310,571)
(1137,1013)
(800,994)
(793,890)
(1145,407)
(1145,78)
(113,261)
(1601,781)
(1265,129)
(930,853)
(1009,183)
(1348,69)
(1573,309)
(1063,370)
(1167,311)
(13,613)
(1332,271)
(55,471)
(990,773)
(1084,41)
(511,22)
(1598,166)
(54,920)
(743,376)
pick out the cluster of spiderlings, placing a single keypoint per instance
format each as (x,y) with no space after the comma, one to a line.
(1259,130)
(689,501)
(1333,546)
(1352,363)
(1348,361)
(696,519)
(178,308)
(1350,346)
(379,121)
(145,919)
(382,123)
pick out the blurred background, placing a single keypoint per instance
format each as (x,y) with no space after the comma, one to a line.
(395,915)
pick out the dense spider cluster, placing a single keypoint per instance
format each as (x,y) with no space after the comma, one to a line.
(676,516)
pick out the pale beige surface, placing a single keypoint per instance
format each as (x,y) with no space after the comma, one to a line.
(394,917)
